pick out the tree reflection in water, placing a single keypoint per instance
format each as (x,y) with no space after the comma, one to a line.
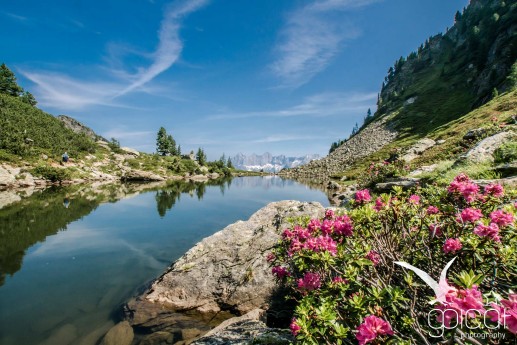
(49,211)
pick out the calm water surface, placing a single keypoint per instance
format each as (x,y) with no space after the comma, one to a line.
(65,271)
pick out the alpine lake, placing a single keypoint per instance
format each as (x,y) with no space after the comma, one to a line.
(70,257)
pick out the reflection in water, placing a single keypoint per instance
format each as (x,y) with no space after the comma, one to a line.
(46,212)
(72,282)
(32,220)
(167,195)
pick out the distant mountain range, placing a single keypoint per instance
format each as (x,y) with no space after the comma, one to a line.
(268,162)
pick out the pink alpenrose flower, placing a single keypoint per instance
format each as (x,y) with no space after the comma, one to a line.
(371,328)
(452,245)
(363,196)
(294,327)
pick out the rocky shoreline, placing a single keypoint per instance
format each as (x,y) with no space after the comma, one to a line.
(223,281)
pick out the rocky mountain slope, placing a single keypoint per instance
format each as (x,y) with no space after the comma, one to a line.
(448,76)
(368,141)
(269,163)
(78,127)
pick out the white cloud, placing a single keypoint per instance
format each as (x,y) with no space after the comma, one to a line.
(62,91)
(311,37)
(319,105)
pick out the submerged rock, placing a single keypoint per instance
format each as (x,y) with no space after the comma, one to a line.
(120,334)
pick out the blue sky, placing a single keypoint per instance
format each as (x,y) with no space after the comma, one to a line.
(287,77)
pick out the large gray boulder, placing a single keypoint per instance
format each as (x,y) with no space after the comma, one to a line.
(404,182)
(7,179)
(140,175)
(418,148)
(130,151)
(484,150)
(228,271)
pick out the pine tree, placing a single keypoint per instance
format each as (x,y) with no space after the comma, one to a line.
(8,83)
(162,144)
(229,164)
(171,146)
(457,17)
(201,157)
(28,98)
(368,117)
(179,150)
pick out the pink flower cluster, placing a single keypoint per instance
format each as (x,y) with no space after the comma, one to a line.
(374,257)
(432,210)
(319,236)
(379,204)
(463,185)
(279,271)
(339,280)
(363,196)
(491,231)
(469,215)
(495,190)
(321,244)
(506,313)
(460,304)
(501,218)
(371,328)
(414,199)
(310,281)
(294,327)
(452,245)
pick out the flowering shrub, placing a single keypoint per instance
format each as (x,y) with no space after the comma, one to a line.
(341,269)
(379,172)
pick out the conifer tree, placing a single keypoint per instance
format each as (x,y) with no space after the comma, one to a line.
(201,157)
(28,98)
(171,146)
(8,83)
(162,144)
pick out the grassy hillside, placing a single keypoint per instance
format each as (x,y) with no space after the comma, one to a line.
(502,108)
(28,132)
(452,83)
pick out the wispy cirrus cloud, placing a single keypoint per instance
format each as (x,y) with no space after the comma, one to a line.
(15,17)
(319,105)
(311,37)
(67,92)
